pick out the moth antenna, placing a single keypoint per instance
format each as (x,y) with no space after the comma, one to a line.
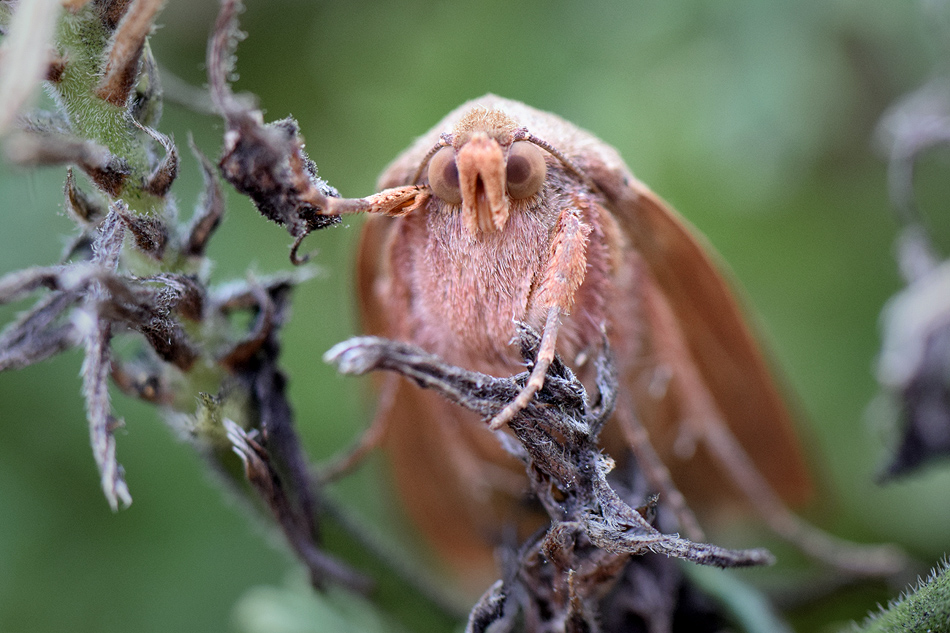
(444,141)
(522,134)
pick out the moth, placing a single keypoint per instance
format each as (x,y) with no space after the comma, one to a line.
(503,214)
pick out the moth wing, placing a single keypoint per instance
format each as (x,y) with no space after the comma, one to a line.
(369,272)
(429,455)
(694,308)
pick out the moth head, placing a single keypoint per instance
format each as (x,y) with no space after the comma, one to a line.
(483,171)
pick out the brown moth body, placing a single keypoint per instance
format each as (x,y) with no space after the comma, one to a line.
(528,218)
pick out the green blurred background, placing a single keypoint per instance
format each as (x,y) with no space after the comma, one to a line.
(755,119)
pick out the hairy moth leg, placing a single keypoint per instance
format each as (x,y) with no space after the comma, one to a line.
(655,471)
(703,423)
(394,203)
(567,265)
(372,437)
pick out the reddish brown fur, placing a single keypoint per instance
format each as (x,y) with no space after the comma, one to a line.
(430,279)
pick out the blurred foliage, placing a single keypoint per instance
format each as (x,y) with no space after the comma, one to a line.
(294,608)
(755,119)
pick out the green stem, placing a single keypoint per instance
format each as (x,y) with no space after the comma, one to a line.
(84,43)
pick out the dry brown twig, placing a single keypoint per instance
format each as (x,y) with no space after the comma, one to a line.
(560,578)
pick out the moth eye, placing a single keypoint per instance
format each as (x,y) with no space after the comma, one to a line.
(444,176)
(526,169)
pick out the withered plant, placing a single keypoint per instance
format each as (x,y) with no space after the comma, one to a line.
(135,272)
(607,560)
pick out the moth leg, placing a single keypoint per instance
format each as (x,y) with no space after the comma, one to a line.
(567,265)
(706,425)
(342,464)
(655,470)
(536,379)
(395,202)
(848,556)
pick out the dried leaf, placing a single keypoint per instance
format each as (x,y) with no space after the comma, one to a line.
(149,233)
(181,293)
(42,331)
(488,611)
(44,122)
(242,353)
(18,284)
(919,122)
(111,12)
(915,366)
(163,176)
(95,372)
(265,162)
(125,52)
(149,308)
(96,334)
(80,205)
(22,346)
(108,172)
(210,209)
(108,243)
(268,299)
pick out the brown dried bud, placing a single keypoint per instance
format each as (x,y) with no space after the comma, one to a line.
(79,204)
(150,234)
(125,52)
(163,176)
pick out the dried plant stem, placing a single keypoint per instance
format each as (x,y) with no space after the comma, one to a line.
(134,272)
(594,532)
(121,68)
